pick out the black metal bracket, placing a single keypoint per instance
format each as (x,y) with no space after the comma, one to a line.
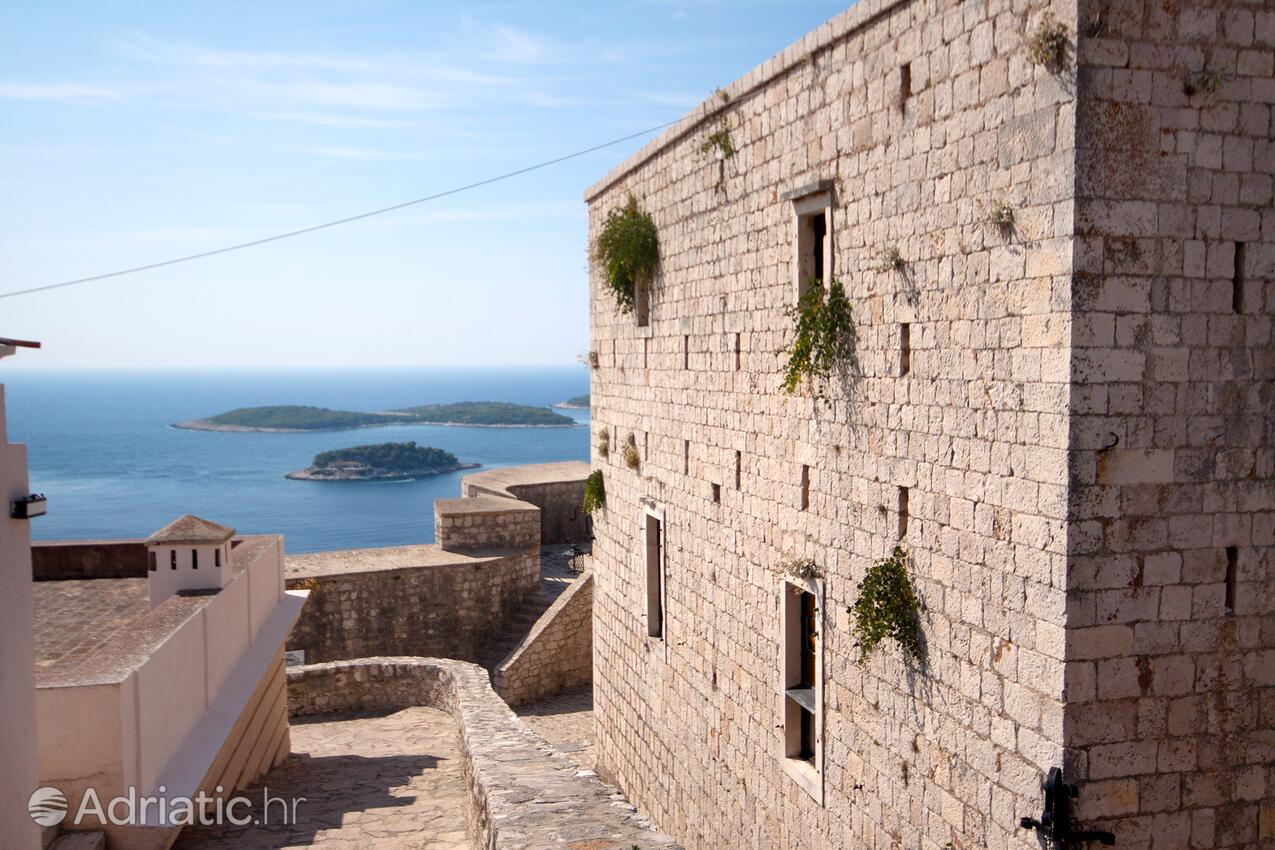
(1054,824)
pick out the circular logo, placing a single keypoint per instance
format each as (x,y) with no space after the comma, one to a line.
(47,806)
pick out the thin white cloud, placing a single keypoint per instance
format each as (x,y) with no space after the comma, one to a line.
(342,152)
(55,91)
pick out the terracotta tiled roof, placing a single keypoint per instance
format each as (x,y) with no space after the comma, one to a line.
(191,529)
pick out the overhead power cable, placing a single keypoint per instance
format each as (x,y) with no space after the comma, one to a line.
(327,224)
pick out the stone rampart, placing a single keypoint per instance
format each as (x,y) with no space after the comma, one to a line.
(523,796)
(556,488)
(556,654)
(68,560)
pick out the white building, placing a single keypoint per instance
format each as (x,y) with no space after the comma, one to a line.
(188,554)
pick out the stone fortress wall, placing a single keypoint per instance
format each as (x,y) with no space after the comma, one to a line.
(1104,310)
(450,598)
(556,488)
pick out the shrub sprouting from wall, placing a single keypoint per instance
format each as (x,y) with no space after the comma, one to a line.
(823,338)
(631,457)
(604,444)
(1047,46)
(595,493)
(628,250)
(887,607)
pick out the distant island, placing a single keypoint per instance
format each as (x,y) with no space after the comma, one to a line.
(292,417)
(578,402)
(379,462)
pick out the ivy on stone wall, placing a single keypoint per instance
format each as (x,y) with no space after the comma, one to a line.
(887,607)
(823,339)
(628,249)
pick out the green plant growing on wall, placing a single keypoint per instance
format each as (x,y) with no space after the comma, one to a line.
(887,607)
(720,141)
(604,444)
(631,458)
(628,249)
(823,338)
(595,493)
(1208,80)
(890,259)
(802,568)
(1000,213)
(1047,46)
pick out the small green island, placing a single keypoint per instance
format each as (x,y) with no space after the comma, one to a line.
(295,417)
(577,402)
(379,462)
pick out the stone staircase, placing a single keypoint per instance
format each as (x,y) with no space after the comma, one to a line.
(554,579)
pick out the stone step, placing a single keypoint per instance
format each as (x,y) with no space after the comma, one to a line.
(79,841)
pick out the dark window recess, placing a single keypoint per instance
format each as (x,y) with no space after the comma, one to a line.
(654,577)
(805,487)
(686,352)
(903,512)
(1232,570)
(154,561)
(686,457)
(646,351)
(217,557)
(905,83)
(717,492)
(194,559)
(1237,282)
(803,695)
(739,468)
(819,229)
(172,559)
(738,354)
(905,349)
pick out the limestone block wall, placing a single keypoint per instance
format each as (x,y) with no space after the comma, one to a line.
(556,488)
(522,794)
(975,427)
(441,604)
(486,522)
(556,654)
(1171,584)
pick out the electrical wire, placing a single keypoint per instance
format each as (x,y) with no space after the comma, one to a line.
(313,228)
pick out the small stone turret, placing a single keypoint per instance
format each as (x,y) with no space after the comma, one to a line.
(188,554)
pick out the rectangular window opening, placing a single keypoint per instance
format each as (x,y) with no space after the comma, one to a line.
(739,468)
(802,678)
(1237,282)
(217,557)
(686,457)
(654,576)
(905,349)
(686,352)
(194,559)
(903,512)
(154,561)
(1232,571)
(905,83)
(717,492)
(172,559)
(738,354)
(813,258)
(805,487)
(646,353)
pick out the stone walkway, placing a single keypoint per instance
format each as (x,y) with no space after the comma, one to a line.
(374,781)
(566,721)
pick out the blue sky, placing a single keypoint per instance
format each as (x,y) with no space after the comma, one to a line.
(138,131)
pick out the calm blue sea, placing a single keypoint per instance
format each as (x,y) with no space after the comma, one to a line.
(101,449)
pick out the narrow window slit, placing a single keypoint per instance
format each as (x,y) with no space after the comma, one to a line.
(805,487)
(903,512)
(1237,282)
(738,355)
(739,463)
(905,83)
(686,352)
(194,559)
(1232,569)
(654,577)
(686,457)
(717,492)
(905,349)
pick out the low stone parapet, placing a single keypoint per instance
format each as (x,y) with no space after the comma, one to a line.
(523,795)
(556,654)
